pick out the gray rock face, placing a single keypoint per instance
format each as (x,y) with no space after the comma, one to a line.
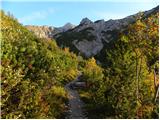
(88,48)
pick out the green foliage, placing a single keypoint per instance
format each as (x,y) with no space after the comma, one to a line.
(93,74)
(33,72)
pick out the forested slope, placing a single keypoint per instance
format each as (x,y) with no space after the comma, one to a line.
(33,73)
(129,87)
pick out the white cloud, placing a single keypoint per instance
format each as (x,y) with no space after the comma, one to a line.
(37,15)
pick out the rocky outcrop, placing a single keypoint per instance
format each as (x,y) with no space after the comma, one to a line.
(89,37)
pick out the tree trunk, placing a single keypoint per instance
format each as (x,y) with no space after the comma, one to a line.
(156,94)
(139,74)
(155,78)
(137,79)
(156,87)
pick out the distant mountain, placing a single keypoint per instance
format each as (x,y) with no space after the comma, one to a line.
(48,31)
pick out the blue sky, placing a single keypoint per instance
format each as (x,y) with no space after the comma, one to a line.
(58,12)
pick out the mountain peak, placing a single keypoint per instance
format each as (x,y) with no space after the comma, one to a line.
(68,25)
(86,21)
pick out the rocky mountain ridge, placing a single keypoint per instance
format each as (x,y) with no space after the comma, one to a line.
(89,38)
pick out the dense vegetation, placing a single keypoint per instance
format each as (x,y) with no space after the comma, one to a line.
(129,86)
(33,73)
